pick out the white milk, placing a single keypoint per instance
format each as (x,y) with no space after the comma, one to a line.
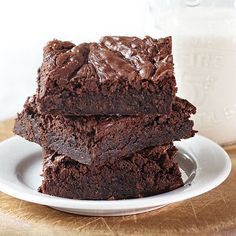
(204,48)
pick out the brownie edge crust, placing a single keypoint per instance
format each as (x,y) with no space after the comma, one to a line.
(149,172)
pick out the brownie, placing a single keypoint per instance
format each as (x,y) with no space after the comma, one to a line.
(86,138)
(117,76)
(149,172)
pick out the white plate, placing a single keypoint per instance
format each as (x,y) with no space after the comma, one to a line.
(203,163)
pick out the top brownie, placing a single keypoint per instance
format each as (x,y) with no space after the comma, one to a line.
(117,76)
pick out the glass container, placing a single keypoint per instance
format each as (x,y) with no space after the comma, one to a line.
(204,49)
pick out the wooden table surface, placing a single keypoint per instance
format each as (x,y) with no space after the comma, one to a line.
(213,213)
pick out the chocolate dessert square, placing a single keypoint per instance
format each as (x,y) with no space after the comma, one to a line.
(148,172)
(117,76)
(87,138)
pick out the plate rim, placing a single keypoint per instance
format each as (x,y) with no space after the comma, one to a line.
(110,205)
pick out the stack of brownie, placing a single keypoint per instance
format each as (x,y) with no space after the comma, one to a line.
(106,115)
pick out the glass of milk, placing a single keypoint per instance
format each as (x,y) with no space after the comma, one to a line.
(204,49)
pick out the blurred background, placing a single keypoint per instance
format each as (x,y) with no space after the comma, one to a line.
(26,26)
(204,48)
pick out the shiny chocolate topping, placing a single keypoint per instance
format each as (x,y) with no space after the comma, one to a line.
(113,58)
(129,57)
